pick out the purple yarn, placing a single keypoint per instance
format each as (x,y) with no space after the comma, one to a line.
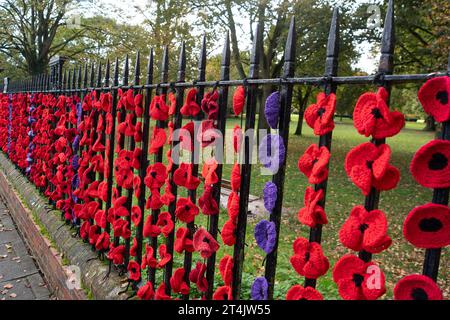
(75,162)
(270,196)
(267,156)
(259,289)
(76,144)
(272,110)
(265,235)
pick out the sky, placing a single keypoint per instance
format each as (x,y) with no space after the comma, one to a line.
(134,9)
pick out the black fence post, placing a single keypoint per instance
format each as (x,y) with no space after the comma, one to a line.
(246,170)
(386,68)
(279,178)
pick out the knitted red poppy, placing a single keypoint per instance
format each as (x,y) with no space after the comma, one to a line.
(183,177)
(159,110)
(154,201)
(319,116)
(160,293)
(164,257)
(207,203)
(146,292)
(167,198)
(308,259)
(434,98)
(210,105)
(209,171)
(239,100)
(236,177)
(223,294)
(190,107)
(134,248)
(300,293)
(148,260)
(177,282)
(226,269)
(208,133)
(165,223)
(373,118)
(313,214)
(157,140)
(314,164)
(151,230)
(121,229)
(368,166)
(134,270)
(183,242)
(172,103)
(156,176)
(237,138)
(428,226)
(136,215)
(430,166)
(228,233)
(115,254)
(365,231)
(417,287)
(102,243)
(358,280)
(204,243)
(186,136)
(197,276)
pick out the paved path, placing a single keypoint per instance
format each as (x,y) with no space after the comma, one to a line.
(19,276)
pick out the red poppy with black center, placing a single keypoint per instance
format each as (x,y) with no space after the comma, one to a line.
(428,226)
(239,100)
(314,164)
(121,229)
(368,167)
(168,197)
(146,292)
(159,110)
(226,269)
(319,116)
(418,288)
(148,260)
(209,171)
(154,201)
(183,242)
(434,98)
(126,127)
(365,231)
(208,133)
(165,223)
(177,282)
(157,141)
(161,293)
(204,243)
(138,132)
(308,259)
(184,177)
(430,166)
(156,176)
(228,233)
(151,230)
(134,270)
(115,254)
(186,210)
(313,214)
(164,257)
(210,105)
(298,292)
(136,215)
(190,107)
(358,280)
(186,136)
(373,118)
(94,234)
(197,276)
(100,218)
(223,294)
(207,203)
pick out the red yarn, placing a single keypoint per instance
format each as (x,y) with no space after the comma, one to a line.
(368,166)
(177,282)
(365,231)
(434,98)
(357,281)
(156,176)
(208,133)
(236,177)
(197,276)
(313,214)
(430,166)
(183,242)
(308,259)
(237,139)
(146,292)
(204,243)
(151,230)
(166,223)
(209,172)
(190,107)
(134,270)
(319,116)
(428,226)
(239,100)
(373,118)
(157,140)
(298,292)
(210,105)
(226,269)
(417,287)
(148,260)
(183,177)
(159,110)
(161,293)
(314,164)
(164,256)
(223,294)
(207,203)
(228,233)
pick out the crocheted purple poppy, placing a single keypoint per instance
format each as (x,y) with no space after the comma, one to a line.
(76,162)
(76,144)
(270,196)
(272,110)
(272,152)
(265,235)
(259,289)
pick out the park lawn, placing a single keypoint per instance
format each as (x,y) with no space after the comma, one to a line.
(398,261)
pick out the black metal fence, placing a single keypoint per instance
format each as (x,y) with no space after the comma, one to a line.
(81,82)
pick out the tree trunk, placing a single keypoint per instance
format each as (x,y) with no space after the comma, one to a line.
(299,130)
(430,124)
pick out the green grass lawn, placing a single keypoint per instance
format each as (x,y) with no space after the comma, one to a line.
(399,260)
